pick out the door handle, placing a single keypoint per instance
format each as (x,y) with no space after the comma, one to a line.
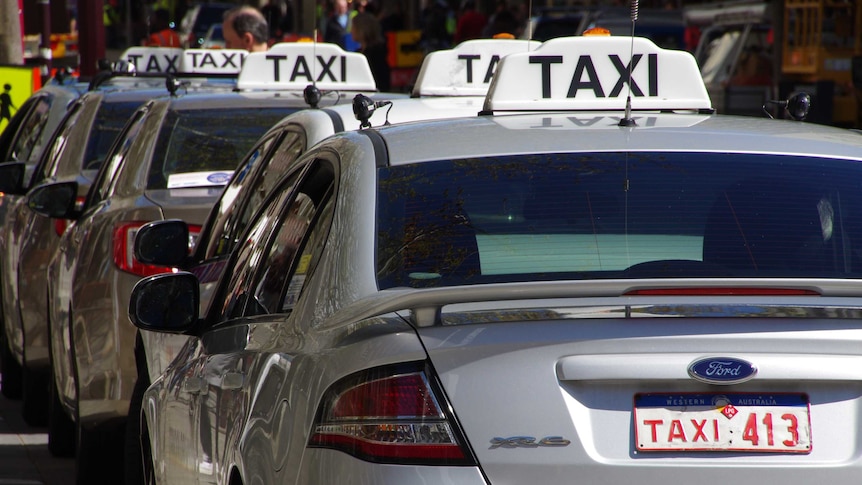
(232,380)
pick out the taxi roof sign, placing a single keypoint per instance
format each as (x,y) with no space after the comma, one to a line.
(591,74)
(154,59)
(295,65)
(213,61)
(467,69)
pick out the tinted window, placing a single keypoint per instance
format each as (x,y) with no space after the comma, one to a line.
(206,141)
(110,119)
(618,215)
(27,143)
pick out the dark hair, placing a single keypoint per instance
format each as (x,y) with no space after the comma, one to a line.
(249,20)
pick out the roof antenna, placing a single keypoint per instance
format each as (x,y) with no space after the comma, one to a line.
(627,120)
(311,94)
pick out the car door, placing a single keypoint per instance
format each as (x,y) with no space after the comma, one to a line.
(251,185)
(241,367)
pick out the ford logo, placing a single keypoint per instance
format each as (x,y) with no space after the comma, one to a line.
(218,178)
(721,370)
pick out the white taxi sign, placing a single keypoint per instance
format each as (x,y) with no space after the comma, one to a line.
(467,69)
(154,59)
(591,73)
(213,61)
(295,65)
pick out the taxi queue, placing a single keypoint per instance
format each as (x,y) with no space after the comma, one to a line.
(294,294)
(318,76)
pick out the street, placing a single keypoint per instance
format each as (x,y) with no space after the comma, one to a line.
(24,455)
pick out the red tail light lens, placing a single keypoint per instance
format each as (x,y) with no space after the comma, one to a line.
(124,249)
(389,415)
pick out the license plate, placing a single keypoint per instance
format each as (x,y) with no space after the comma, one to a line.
(722,422)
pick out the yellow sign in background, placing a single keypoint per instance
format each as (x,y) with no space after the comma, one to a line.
(21,81)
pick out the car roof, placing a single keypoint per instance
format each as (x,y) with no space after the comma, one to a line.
(599,132)
(578,97)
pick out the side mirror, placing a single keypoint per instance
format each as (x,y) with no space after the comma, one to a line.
(56,201)
(163,243)
(12,177)
(166,303)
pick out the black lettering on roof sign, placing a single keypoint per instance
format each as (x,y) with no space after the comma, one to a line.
(228,59)
(585,63)
(546,62)
(301,68)
(153,64)
(326,68)
(276,73)
(586,67)
(489,72)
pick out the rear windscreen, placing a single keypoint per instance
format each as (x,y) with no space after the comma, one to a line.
(617,215)
(204,141)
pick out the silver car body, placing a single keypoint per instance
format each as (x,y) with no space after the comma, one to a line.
(448,86)
(533,381)
(28,134)
(74,153)
(88,292)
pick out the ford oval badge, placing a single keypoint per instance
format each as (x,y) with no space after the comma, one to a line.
(220,178)
(721,370)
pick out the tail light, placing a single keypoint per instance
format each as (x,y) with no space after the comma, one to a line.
(124,249)
(60,225)
(390,415)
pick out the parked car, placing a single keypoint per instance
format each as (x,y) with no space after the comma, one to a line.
(74,151)
(172,160)
(560,287)
(21,145)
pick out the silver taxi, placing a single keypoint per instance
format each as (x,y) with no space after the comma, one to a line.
(164,242)
(76,147)
(172,160)
(561,287)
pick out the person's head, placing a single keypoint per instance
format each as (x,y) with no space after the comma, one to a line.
(365,29)
(161,19)
(339,7)
(244,27)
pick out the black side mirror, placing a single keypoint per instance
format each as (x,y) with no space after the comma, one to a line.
(166,303)
(163,243)
(12,178)
(56,201)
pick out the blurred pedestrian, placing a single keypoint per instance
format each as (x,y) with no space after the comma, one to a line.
(471,22)
(336,28)
(244,27)
(6,105)
(365,29)
(435,34)
(162,34)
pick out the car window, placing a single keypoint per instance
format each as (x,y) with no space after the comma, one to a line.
(233,221)
(109,121)
(247,260)
(30,133)
(201,141)
(618,215)
(272,254)
(125,141)
(59,143)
